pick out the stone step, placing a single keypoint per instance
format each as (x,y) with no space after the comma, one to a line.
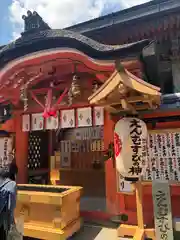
(90,232)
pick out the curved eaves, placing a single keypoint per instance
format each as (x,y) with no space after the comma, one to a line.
(50,39)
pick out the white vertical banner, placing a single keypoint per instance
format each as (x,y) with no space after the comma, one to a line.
(148,173)
(173,153)
(26,123)
(159,164)
(165,159)
(177,148)
(6,147)
(153,157)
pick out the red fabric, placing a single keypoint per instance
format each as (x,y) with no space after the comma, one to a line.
(48,110)
(45,114)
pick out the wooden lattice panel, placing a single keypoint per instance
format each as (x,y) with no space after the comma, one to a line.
(34,157)
(38,150)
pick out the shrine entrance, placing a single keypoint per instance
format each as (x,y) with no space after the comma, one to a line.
(47,75)
(67,139)
(80,154)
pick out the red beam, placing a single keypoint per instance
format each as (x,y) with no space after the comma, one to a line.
(36,100)
(45,90)
(63,107)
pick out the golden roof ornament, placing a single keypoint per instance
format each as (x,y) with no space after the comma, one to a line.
(33,22)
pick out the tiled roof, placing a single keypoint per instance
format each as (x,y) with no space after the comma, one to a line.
(53,39)
(149,9)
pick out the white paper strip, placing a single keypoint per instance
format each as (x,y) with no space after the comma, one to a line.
(84,117)
(98,115)
(124,186)
(68,118)
(37,123)
(52,123)
(65,154)
(26,123)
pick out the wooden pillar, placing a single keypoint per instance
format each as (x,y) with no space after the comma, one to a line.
(112,202)
(21,145)
(115,201)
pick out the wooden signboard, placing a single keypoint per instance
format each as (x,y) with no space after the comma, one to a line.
(162,210)
(163,161)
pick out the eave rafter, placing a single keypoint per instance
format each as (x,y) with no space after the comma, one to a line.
(124,92)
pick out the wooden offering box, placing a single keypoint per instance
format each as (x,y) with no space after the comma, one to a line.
(49,212)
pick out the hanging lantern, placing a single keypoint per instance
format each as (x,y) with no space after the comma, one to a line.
(75,87)
(130,146)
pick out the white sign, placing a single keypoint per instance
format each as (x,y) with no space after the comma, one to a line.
(84,117)
(130,143)
(68,118)
(26,123)
(37,122)
(5,151)
(52,122)
(163,160)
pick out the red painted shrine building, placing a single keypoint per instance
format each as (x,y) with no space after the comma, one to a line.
(46,77)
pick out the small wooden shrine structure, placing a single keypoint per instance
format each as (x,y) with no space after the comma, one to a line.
(124,91)
(126,94)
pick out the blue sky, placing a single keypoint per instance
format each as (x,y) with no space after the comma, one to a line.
(57,13)
(5,24)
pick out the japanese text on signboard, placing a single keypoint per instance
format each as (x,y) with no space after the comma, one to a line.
(163,157)
(135,133)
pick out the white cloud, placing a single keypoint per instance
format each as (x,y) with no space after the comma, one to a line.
(63,13)
(131,3)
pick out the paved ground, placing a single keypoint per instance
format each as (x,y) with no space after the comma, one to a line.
(96,233)
(93,204)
